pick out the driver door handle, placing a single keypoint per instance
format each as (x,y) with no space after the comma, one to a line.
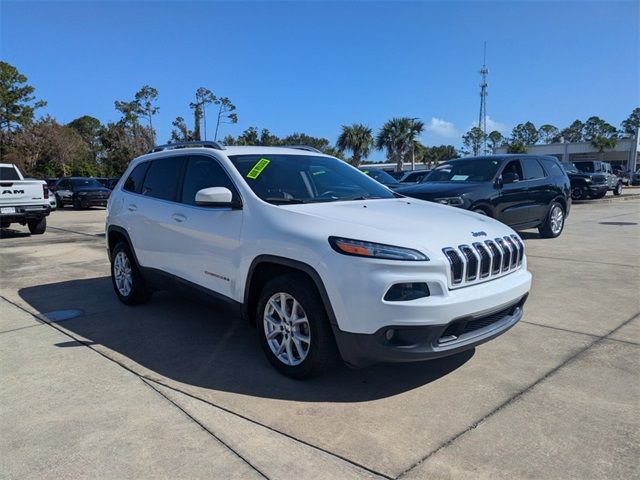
(178,217)
(132,208)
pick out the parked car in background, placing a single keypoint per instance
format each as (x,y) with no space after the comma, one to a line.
(623,175)
(111,184)
(585,185)
(23,201)
(635,178)
(414,176)
(383,177)
(603,171)
(323,260)
(523,191)
(51,184)
(52,201)
(81,192)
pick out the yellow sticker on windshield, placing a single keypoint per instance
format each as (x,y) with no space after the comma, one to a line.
(258,168)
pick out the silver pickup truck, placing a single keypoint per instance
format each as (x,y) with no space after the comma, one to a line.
(23,201)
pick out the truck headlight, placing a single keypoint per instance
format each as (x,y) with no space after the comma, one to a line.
(360,248)
(452,201)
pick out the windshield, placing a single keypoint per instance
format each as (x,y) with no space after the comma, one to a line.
(569,167)
(85,183)
(282,179)
(461,171)
(381,176)
(586,167)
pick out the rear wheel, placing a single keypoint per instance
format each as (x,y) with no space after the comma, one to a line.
(127,281)
(554,223)
(293,327)
(37,227)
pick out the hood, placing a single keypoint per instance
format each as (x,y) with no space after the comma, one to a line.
(431,190)
(92,190)
(406,222)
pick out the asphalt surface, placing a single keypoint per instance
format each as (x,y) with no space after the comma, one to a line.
(179,388)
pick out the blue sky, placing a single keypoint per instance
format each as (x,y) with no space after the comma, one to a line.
(312,66)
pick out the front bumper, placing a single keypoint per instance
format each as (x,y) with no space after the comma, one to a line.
(412,344)
(583,191)
(87,201)
(24,213)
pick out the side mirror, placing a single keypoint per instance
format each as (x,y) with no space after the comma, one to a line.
(216,197)
(510,177)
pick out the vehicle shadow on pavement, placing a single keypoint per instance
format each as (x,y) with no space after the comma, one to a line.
(201,342)
(11,233)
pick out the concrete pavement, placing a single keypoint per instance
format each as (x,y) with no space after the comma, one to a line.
(179,387)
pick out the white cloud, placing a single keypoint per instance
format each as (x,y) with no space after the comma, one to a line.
(492,125)
(441,128)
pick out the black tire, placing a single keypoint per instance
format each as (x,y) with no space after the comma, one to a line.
(618,190)
(481,211)
(37,227)
(576,194)
(548,229)
(139,291)
(322,351)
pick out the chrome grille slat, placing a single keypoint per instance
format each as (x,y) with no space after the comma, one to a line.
(480,262)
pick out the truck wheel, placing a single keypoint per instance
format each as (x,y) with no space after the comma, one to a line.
(618,190)
(293,327)
(554,223)
(76,204)
(37,227)
(576,194)
(127,281)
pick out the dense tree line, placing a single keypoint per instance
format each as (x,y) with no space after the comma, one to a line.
(44,147)
(594,130)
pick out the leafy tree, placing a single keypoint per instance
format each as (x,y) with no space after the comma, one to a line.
(268,139)
(631,124)
(574,132)
(226,113)
(90,129)
(397,136)
(204,97)
(145,100)
(524,133)
(358,139)
(474,139)
(181,132)
(603,143)
(496,139)
(548,133)
(17,103)
(435,155)
(320,143)
(516,147)
(596,127)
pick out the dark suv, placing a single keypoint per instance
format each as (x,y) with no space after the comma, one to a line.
(523,191)
(81,192)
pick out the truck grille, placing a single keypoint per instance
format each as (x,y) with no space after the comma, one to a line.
(470,264)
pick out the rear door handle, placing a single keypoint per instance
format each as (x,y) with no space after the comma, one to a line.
(178,217)
(132,208)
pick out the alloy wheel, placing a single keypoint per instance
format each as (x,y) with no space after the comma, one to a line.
(122,274)
(557,219)
(286,329)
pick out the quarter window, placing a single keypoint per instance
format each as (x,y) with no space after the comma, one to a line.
(161,180)
(553,168)
(532,169)
(135,179)
(204,172)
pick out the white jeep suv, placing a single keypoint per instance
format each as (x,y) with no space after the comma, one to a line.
(319,256)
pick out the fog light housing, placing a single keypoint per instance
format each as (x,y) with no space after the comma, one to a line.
(404,292)
(389,334)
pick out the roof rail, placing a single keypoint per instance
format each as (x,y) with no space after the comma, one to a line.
(195,143)
(303,147)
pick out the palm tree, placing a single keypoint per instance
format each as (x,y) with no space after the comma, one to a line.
(358,139)
(603,143)
(398,138)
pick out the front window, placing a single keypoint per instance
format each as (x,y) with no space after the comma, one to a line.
(465,171)
(381,176)
(282,179)
(569,167)
(85,183)
(586,167)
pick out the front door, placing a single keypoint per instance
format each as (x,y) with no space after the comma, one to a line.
(513,203)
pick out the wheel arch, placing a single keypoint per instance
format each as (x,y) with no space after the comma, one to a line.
(265,267)
(116,234)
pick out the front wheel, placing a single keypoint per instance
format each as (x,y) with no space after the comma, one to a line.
(554,223)
(37,227)
(127,281)
(293,327)
(618,190)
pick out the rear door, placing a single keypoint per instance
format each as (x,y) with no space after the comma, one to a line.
(64,191)
(207,237)
(513,203)
(539,191)
(155,236)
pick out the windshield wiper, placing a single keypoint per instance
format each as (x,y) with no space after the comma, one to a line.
(284,201)
(362,197)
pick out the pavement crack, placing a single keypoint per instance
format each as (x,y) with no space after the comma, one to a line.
(578,333)
(516,396)
(582,261)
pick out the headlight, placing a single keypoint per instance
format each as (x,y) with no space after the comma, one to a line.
(453,201)
(587,180)
(82,193)
(359,248)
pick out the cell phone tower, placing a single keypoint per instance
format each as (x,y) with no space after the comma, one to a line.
(482,119)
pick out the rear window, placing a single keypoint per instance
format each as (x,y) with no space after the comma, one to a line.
(9,173)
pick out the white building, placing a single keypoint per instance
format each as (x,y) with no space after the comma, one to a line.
(625,155)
